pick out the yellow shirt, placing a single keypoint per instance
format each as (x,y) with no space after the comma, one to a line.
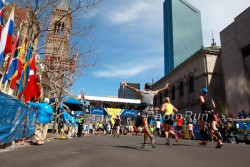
(99,125)
(169,109)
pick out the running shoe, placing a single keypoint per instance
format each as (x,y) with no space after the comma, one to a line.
(168,143)
(203,143)
(144,145)
(153,141)
(219,144)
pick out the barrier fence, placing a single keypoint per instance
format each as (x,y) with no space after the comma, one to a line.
(17,120)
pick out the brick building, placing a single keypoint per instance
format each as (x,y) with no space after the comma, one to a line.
(58,64)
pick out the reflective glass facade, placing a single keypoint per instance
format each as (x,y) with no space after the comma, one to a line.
(182,32)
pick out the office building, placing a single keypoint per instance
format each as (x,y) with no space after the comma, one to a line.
(126,93)
(182,32)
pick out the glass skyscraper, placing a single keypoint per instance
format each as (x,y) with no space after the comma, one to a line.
(182,32)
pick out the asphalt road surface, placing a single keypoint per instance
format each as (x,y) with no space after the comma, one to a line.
(107,151)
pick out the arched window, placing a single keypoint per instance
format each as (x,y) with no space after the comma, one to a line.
(191,84)
(173,92)
(59,28)
(181,89)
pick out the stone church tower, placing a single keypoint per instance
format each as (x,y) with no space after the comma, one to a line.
(57,60)
(57,41)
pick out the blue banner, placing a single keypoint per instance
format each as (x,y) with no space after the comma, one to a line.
(129,113)
(96,111)
(17,120)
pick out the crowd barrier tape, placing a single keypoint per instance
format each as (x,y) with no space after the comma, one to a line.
(17,120)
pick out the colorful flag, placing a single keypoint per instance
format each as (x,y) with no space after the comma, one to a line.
(38,88)
(18,65)
(26,70)
(1,21)
(10,67)
(6,38)
(31,90)
(2,2)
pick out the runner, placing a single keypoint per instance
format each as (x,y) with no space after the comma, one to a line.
(179,122)
(117,125)
(146,108)
(207,105)
(168,109)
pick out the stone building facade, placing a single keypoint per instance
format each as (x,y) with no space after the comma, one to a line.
(235,58)
(203,69)
(58,64)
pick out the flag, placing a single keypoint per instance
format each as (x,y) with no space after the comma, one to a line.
(26,70)
(1,21)
(2,2)
(33,87)
(10,67)
(82,95)
(6,37)
(18,65)
(38,88)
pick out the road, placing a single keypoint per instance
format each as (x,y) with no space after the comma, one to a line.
(107,151)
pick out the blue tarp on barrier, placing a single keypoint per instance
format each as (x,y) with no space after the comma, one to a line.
(17,120)
(243,125)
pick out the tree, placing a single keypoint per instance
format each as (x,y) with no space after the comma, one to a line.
(69,58)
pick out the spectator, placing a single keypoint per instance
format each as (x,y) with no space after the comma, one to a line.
(130,129)
(158,127)
(239,116)
(244,114)
(191,130)
(223,117)
(44,116)
(80,126)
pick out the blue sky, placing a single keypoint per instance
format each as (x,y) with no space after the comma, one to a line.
(129,37)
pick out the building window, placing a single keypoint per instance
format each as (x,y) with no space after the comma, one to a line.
(173,92)
(166,93)
(181,89)
(160,98)
(191,84)
(59,28)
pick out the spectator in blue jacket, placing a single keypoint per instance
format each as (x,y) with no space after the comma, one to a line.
(44,116)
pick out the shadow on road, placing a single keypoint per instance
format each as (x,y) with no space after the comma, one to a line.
(133,148)
(186,145)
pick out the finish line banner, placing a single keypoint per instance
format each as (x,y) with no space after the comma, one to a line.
(17,120)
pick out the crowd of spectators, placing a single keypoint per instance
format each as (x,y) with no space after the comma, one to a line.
(225,126)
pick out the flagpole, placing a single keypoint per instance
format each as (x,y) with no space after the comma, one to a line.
(1,83)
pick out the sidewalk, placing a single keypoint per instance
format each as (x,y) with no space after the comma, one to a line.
(20,143)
